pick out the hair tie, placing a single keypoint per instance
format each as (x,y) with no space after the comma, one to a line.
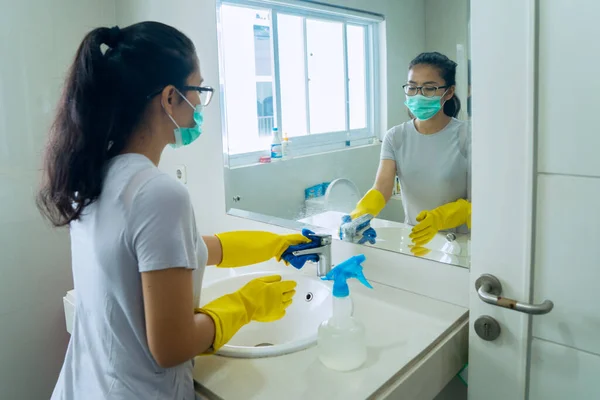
(114,37)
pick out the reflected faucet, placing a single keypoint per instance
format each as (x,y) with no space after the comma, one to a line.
(324,253)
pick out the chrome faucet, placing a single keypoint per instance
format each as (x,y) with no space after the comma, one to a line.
(324,253)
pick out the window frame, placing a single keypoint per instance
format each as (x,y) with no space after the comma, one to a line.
(311,144)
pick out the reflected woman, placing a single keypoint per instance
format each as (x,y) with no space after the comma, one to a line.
(430,154)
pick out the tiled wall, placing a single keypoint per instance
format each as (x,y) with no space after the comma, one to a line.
(566,345)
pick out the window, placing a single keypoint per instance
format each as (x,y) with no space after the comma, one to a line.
(307,71)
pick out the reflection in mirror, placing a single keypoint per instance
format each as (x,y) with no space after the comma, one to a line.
(317,136)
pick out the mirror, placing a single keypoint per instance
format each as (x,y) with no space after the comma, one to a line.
(313,98)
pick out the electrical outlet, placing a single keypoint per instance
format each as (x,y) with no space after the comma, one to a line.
(181,173)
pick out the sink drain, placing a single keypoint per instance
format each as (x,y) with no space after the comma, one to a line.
(309,296)
(263,345)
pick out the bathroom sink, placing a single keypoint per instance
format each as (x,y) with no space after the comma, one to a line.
(415,345)
(294,332)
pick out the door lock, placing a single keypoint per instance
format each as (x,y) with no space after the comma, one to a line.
(487,328)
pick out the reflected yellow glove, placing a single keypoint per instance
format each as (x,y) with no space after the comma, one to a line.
(447,216)
(419,251)
(372,203)
(262,299)
(241,248)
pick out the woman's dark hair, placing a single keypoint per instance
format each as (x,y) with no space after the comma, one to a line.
(447,69)
(105,96)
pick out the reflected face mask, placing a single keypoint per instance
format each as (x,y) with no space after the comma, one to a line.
(424,108)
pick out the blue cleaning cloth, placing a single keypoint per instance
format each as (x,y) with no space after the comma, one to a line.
(299,261)
(368,235)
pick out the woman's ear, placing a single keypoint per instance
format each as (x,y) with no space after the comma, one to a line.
(450,93)
(167,98)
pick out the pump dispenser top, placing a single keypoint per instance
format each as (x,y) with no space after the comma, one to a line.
(341,339)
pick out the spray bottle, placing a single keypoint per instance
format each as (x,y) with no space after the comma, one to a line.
(341,340)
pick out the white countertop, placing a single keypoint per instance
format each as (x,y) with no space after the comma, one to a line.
(401,328)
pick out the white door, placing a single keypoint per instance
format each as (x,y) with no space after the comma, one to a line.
(536,196)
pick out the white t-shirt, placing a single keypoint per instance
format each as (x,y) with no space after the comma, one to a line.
(433,169)
(143,221)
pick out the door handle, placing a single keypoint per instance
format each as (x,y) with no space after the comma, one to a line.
(489,290)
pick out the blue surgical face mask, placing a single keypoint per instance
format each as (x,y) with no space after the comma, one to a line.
(185,136)
(423,108)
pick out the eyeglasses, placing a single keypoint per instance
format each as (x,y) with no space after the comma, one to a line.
(205,93)
(427,91)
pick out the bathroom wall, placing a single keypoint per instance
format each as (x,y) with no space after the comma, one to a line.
(445,29)
(37,43)
(565,355)
(277,189)
(446,25)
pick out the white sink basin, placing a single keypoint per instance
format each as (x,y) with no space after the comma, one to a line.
(294,332)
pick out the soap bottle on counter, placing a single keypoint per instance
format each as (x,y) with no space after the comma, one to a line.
(276,154)
(341,339)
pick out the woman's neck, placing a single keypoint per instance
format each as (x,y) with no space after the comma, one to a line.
(432,125)
(146,143)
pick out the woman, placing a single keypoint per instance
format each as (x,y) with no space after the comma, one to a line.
(137,258)
(430,155)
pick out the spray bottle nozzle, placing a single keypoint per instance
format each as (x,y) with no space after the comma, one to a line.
(351,268)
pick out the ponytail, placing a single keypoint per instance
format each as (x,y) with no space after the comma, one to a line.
(452,106)
(104,99)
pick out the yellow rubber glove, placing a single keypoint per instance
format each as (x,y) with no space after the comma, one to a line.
(262,299)
(372,203)
(241,248)
(447,216)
